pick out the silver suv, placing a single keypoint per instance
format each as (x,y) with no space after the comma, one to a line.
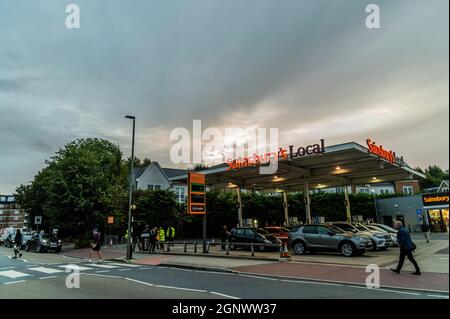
(379,240)
(327,238)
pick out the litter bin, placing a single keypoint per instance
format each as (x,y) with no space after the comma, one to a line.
(145,240)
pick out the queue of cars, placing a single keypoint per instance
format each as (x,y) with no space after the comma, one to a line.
(38,242)
(349,239)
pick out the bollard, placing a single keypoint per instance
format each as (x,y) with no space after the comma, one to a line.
(207,248)
(185,247)
(195,247)
(228,248)
(252,249)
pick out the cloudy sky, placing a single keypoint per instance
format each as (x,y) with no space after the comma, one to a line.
(308,67)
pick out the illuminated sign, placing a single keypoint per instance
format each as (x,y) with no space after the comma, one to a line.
(196,194)
(282,154)
(381,152)
(435,199)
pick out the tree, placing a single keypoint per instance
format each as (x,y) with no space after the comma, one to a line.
(138,162)
(156,207)
(434,176)
(83,183)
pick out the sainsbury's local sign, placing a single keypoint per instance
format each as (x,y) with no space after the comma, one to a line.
(282,154)
(387,155)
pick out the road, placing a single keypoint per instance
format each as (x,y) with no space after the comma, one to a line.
(44,276)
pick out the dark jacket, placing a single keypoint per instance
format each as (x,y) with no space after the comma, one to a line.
(18,239)
(404,239)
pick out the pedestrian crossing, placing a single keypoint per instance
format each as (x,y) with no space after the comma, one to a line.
(47,270)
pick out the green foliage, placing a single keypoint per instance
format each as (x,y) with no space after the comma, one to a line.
(82,184)
(434,176)
(156,207)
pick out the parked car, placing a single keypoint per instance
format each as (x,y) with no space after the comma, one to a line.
(391,231)
(44,243)
(379,240)
(9,241)
(327,238)
(25,238)
(279,232)
(247,235)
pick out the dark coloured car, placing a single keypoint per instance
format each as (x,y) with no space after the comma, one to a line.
(247,235)
(44,243)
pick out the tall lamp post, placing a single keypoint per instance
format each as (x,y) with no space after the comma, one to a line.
(375,203)
(129,250)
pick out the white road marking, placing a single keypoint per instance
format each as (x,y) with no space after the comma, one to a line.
(107,276)
(13,274)
(180,288)
(81,268)
(257,277)
(103,266)
(125,269)
(223,295)
(100,271)
(311,282)
(124,265)
(443,258)
(438,296)
(144,268)
(14,282)
(181,269)
(140,282)
(2,268)
(48,277)
(395,291)
(46,270)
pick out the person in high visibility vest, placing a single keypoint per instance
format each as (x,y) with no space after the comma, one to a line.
(170,234)
(162,238)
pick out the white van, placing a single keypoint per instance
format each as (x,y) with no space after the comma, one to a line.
(7,231)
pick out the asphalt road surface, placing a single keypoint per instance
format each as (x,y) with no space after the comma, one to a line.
(36,277)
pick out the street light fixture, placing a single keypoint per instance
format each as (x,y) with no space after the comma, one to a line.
(129,250)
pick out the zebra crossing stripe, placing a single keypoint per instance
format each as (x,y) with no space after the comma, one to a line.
(46,270)
(13,274)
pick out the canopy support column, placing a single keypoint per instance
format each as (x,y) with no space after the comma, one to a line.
(239,198)
(347,204)
(286,209)
(307,203)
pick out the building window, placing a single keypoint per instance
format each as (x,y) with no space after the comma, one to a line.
(16,217)
(364,191)
(408,190)
(157,187)
(179,191)
(149,186)
(10,199)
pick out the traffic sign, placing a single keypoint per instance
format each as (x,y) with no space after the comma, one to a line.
(196,194)
(37,220)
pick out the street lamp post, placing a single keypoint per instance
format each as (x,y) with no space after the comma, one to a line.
(129,250)
(376,207)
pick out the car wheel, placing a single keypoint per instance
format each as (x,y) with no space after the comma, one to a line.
(299,248)
(348,249)
(38,249)
(261,248)
(27,247)
(58,250)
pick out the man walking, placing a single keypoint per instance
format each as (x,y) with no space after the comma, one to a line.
(96,246)
(162,238)
(224,234)
(152,239)
(170,235)
(406,248)
(17,244)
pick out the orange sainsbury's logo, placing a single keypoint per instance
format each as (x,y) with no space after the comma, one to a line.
(434,199)
(381,152)
(256,159)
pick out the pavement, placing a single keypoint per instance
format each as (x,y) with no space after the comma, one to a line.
(22,279)
(324,267)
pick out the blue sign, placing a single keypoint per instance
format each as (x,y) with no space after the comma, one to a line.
(419,211)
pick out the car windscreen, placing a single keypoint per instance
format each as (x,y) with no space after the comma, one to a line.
(335,229)
(360,227)
(345,227)
(386,228)
(262,231)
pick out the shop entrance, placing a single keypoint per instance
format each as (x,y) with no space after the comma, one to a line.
(438,220)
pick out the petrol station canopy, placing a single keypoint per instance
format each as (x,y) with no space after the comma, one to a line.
(338,165)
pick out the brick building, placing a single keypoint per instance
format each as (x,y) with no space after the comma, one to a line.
(10,213)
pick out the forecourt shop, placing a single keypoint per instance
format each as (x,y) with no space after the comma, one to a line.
(315,166)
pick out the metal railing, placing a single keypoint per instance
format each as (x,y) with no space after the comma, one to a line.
(228,246)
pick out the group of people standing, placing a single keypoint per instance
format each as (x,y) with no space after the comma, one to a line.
(159,236)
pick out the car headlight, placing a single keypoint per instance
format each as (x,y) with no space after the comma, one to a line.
(44,241)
